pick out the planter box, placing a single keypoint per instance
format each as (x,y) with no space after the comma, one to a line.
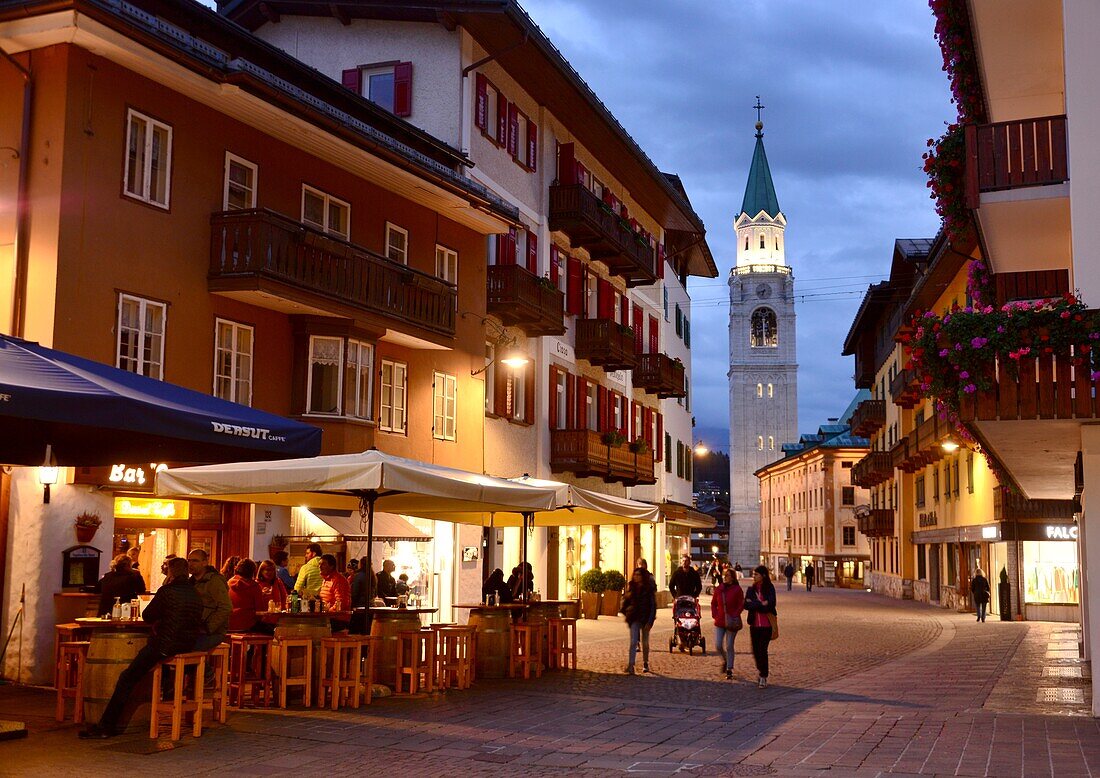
(612,601)
(590,605)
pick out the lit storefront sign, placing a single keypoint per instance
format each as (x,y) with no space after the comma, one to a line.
(1061,532)
(991,532)
(124,476)
(147,508)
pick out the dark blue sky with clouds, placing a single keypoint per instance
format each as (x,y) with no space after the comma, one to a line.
(852,89)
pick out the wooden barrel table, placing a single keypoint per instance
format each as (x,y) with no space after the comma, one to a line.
(113,647)
(493,625)
(387,624)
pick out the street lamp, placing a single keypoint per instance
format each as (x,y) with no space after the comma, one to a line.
(701,449)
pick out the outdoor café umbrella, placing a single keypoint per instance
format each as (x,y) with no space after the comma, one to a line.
(350,481)
(90,413)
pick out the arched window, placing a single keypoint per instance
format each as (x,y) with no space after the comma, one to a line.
(761,240)
(746,243)
(771,443)
(760,390)
(760,442)
(777,244)
(771,391)
(765,333)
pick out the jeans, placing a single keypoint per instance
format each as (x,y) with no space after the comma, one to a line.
(146,659)
(809,584)
(761,637)
(639,633)
(981,606)
(790,580)
(723,639)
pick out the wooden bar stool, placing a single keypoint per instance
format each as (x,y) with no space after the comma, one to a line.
(526,641)
(563,643)
(369,646)
(416,660)
(250,669)
(458,667)
(218,697)
(180,703)
(65,633)
(70,678)
(287,679)
(341,671)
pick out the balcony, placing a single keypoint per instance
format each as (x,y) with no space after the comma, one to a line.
(930,433)
(605,344)
(877,522)
(583,453)
(1013,155)
(270,260)
(903,455)
(520,298)
(868,418)
(1014,507)
(873,469)
(905,388)
(660,374)
(591,225)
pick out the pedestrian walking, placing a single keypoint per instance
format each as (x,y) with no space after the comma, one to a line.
(979,590)
(788,572)
(725,608)
(640,609)
(685,582)
(760,603)
(808,574)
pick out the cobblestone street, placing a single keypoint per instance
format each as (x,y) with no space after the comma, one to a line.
(860,685)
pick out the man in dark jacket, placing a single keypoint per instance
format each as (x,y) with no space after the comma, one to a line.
(176,615)
(685,582)
(213,590)
(788,573)
(808,574)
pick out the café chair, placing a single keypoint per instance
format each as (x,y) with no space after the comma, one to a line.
(218,697)
(250,669)
(416,661)
(341,671)
(456,666)
(70,677)
(369,646)
(563,643)
(288,678)
(194,664)
(66,633)
(526,653)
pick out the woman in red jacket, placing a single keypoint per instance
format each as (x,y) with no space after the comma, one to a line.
(725,607)
(247,598)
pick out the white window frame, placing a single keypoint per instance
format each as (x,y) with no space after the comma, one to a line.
(561,398)
(446,264)
(393,229)
(364,373)
(444,406)
(310,410)
(490,377)
(378,70)
(329,200)
(145,194)
(398,411)
(231,159)
(139,360)
(234,380)
(592,411)
(517,380)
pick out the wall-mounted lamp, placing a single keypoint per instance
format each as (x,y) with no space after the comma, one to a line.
(701,449)
(505,349)
(47,475)
(949,446)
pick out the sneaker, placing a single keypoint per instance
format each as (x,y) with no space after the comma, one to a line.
(763,682)
(729,675)
(94,732)
(645,668)
(722,668)
(630,669)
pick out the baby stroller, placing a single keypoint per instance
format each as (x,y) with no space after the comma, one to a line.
(687,633)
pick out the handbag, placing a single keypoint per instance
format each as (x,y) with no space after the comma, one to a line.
(733,623)
(774,621)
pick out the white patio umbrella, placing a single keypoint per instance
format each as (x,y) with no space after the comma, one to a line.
(356,481)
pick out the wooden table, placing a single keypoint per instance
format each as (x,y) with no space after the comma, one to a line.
(387,624)
(114,645)
(493,625)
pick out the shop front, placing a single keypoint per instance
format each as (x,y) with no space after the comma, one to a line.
(948,557)
(1049,577)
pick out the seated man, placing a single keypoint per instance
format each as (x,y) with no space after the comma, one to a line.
(176,614)
(216,605)
(335,593)
(387,586)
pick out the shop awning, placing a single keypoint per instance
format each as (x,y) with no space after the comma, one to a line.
(95,414)
(686,516)
(387,526)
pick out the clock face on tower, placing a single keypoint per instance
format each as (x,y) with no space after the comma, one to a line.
(763,291)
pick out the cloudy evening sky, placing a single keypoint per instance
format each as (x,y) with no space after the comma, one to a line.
(852,90)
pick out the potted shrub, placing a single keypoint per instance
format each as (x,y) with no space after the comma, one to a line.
(613,438)
(614,583)
(86,526)
(639,446)
(592,586)
(278,543)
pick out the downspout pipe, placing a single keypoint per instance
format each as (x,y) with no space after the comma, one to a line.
(22,205)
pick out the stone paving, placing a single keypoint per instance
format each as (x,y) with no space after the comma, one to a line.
(861,685)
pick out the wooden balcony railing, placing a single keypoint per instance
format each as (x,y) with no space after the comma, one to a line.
(1029,285)
(660,374)
(1010,507)
(1044,387)
(1009,155)
(930,433)
(591,225)
(260,250)
(583,453)
(877,522)
(905,455)
(905,388)
(605,343)
(868,418)
(520,298)
(873,469)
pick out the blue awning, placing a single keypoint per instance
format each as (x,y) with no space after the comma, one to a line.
(94,414)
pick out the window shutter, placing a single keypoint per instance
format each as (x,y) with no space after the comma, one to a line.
(506,247)
(601,404)
(402,89)
(687,333)
(532,145)
(679,321)
(502,119)
(582,403)
(553,397)
(660,260)
(533,252)
(529,396)
(567,164)
(633,421)
(570,401)
(574,285)
(654,336)
(639,330)
(624,311)
(658,447)
(352,79)
(555,269)
(481,104)
(513,130)
(647,422)
(605,299)
(500,389)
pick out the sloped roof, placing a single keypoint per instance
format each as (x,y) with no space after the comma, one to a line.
(760,191)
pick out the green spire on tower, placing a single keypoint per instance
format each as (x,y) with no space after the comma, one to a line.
(760,191)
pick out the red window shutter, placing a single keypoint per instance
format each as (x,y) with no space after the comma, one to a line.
(570,401)
(654,336)
(638,329)
(506,248)
(352,79)
(403,89)
(555,261)
(567,164)
(660,261)
(609,199)
(553,409)
(647,422)
(513,130)
(502,119)
(532,145)
(602,414)
(582,404)
(633,421)
(624,311)
(574,286)
(500,389)
(481,104)
(605,299)
(533,252)
(624,415)
(659,443)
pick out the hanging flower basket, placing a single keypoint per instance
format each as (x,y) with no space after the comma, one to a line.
(87,524)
